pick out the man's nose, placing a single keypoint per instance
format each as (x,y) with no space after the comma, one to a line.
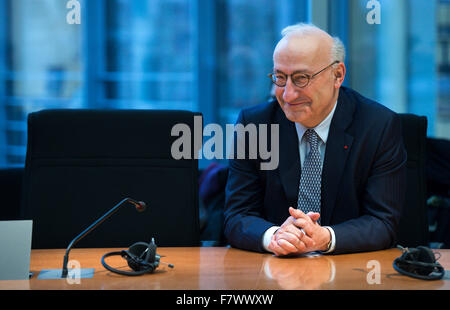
(290,91)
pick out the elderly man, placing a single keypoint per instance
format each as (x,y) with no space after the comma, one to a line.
(341,179)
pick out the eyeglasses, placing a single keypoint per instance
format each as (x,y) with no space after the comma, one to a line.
(299,79)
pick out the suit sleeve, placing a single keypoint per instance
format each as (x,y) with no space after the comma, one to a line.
(244,224)
(382,199)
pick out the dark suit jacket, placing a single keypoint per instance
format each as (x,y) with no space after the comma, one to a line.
(363,178)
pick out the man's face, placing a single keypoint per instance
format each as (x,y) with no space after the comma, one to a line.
(309,105)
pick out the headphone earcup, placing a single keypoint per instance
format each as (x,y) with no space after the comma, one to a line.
(132,260)
(151,255)
(425,255)
(135,258)
(138,248)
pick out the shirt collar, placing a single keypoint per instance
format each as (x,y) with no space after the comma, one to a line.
(322,129)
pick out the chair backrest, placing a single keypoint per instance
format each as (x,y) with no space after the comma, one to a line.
(413,227)
(10,191)
(81,163)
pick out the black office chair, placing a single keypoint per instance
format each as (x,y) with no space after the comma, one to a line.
(413,227)
(438,191)
(81,163)
(10,193)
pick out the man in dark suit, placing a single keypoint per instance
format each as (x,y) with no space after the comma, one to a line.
(341,178)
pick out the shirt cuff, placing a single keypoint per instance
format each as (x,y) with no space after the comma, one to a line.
(333,239)
(267,237)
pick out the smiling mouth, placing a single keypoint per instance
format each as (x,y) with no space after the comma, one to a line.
(298,103)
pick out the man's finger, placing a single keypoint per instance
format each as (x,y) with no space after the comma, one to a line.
(298,239)
(305,235)
(306,225)
(308,241)
(288,236)
(276,249)
(294,230)
(314,216)
(287,246)
(298,214)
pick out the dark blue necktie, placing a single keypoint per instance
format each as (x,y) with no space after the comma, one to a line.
(311,176)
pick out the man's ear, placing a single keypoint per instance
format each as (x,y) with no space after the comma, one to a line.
(339,74)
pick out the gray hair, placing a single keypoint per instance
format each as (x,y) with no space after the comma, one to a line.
(337,51)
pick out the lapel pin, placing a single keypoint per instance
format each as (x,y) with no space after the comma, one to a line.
(345,146)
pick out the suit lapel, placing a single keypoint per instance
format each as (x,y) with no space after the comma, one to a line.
(338,147)
(289,164)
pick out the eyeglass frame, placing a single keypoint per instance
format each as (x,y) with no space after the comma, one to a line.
(310,77)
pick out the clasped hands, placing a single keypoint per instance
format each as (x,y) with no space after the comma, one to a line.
(299,234)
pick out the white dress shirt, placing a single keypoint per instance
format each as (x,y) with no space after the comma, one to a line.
(322,131)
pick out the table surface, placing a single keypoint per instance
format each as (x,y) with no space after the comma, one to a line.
(218,268)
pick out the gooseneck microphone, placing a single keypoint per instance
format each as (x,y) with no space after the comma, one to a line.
(140,207)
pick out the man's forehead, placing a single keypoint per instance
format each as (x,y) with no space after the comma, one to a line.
(303,51)
(301,45)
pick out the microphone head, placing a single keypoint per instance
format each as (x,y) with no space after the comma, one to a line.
(141,206)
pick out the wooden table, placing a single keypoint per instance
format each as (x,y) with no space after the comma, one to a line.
(221,268)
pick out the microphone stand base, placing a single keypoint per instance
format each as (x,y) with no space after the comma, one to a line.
(73,275)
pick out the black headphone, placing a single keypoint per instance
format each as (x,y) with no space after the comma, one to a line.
(419,263)
(141,258)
